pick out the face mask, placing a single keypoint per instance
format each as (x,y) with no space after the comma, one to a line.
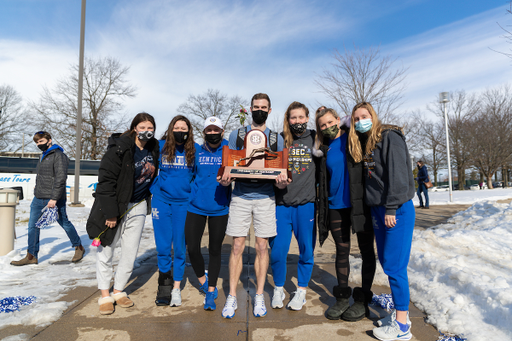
(364,125)
(145,135)
(213,138)
(331,132)
(43,147)
(259,116)
(180,136)
(298,128)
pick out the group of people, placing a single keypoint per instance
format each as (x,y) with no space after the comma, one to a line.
(352,174)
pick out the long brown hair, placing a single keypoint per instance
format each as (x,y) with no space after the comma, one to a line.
(140,117)
(374,134)
(320,140)
(288,137)
(169,149)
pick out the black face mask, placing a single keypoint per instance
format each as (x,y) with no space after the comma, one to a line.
(213,138)
(145,135)
(298,128)
(180,136)
(43,147)
(259,116)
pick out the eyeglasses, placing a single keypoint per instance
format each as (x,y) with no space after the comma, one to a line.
(39,133)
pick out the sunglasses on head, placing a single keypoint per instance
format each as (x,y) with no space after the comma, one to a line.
(39,132)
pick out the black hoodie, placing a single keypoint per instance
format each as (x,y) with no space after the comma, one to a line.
(389,179)
(115,184)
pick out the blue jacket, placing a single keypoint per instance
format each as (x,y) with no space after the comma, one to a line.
(209,197)
(173,183)
(422,175)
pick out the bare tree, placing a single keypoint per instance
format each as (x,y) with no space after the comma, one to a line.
(490,130)
(461,109)
(212,103)
(364,76)
(12,121)
(507,33)
(105,88)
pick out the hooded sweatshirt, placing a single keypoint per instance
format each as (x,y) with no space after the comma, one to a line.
(389,180)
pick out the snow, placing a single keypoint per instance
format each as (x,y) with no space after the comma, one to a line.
(55,275)
(466,197)
(460,272)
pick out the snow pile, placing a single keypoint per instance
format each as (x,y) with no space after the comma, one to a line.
(460,273)
(466,197)
(55,274)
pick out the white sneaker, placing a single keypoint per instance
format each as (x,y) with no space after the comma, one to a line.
(259,306)
(175,297)
(277,299)
(390,318)
(392,332)
(230,307)
(298,300)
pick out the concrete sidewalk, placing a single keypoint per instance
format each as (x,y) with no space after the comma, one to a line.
(145,321)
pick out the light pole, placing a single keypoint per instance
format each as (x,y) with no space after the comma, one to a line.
(444,97)
(78,154)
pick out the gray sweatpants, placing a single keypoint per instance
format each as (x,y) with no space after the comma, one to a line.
(129,231)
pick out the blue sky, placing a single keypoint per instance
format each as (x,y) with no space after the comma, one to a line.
(178,48)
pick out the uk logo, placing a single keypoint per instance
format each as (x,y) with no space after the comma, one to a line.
(154,213)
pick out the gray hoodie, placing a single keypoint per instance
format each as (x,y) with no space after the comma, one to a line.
(389,180)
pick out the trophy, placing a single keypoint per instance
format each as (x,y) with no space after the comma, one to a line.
(256,162)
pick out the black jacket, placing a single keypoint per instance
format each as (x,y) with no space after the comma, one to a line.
(52,173)
(115,185)
(388,173)
(422,175)
(360,214)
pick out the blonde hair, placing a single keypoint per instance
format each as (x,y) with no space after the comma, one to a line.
(374,134)
(319,140)
(287,134)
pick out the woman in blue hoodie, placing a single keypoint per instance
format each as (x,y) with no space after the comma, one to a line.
(209,199)
(389,189)
(171,193)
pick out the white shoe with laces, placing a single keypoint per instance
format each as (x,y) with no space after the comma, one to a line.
(298,300)
(260,309)
(230,307)
(277,299)
(175,297)
(392,332)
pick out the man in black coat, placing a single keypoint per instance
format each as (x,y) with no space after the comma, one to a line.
(50,192)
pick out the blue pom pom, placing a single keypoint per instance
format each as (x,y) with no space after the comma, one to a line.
(450,337)
(385,301)
(49,216)
(10,304)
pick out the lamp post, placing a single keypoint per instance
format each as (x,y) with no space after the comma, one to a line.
(444,97)
(78,153)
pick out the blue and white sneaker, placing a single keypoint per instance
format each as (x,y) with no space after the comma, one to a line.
(204,288)
(390,318)
(392,332)
(260,309)
(209,301)
(230,307)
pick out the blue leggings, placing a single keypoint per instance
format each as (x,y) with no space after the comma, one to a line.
(301,220)
(169,228)
(394,249)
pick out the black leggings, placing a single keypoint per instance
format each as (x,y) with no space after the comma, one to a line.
(339,224)
(194,230)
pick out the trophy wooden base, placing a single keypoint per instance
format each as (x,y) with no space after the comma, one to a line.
(244,174)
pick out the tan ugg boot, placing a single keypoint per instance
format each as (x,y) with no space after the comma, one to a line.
(122,300)
(106,305)
(79,254)
(29,259)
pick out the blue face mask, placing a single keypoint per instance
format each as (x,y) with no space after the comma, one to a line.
(364,125)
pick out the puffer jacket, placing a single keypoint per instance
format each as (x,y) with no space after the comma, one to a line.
(360,215)
(115,185)
(52,173)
